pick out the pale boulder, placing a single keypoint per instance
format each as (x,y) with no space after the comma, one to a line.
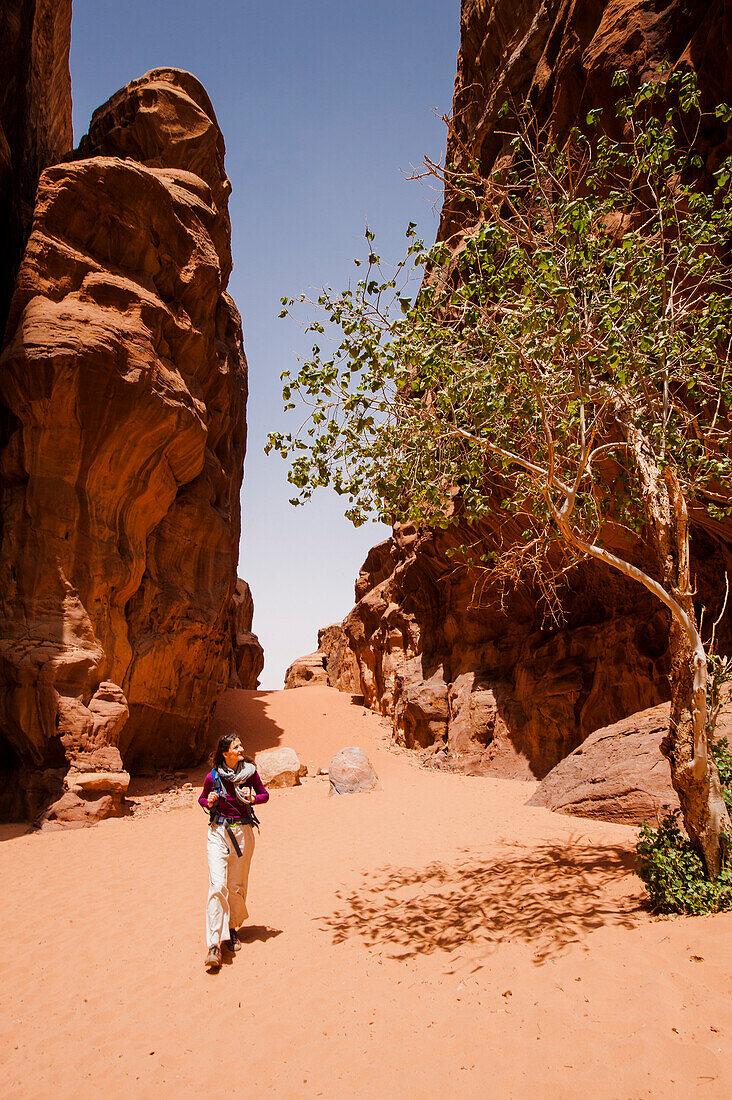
(280,767)
(109,782)
(351,772)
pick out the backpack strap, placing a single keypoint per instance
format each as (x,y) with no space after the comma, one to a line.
(218,786)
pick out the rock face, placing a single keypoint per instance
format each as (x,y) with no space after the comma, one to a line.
(564,56)
(309,669)
(124,384)
(248,655)
(35,117)
(333,664)
(488,676)
(619,773)
(351,772)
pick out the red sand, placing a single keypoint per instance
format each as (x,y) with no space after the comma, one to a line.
(436,938)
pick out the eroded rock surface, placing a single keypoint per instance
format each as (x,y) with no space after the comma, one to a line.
(248,655)
(487,677)
(35,117)
(307,670)
(333,663)
(125,385)
(564,57)
(619,773)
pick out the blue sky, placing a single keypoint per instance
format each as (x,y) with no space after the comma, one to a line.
(324,106)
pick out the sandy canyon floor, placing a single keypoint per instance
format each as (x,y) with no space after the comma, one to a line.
(436,938)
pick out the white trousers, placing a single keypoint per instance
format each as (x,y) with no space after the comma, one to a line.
(228,876)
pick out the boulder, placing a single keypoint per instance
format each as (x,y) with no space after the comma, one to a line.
(280,767)
(619,772)
(351,772)
(75,811)
(306,671)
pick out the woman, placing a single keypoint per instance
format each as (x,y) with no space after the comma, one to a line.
(230,790)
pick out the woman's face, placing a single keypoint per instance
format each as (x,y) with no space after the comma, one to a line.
(234,753)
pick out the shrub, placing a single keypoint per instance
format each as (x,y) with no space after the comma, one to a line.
(672,871)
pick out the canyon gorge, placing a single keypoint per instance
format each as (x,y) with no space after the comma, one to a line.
(123,389)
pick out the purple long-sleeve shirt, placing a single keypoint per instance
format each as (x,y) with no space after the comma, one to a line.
(228,804)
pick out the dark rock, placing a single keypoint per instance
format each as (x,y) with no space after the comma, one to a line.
(333,663)
(35,117)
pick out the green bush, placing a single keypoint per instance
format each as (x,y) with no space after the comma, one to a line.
(671,870)
(723,760)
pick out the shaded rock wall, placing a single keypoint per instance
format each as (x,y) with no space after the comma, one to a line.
(125,382)
(487,678)
(563,54)
(35,117)
(247,652)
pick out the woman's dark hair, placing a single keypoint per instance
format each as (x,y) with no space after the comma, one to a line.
(223,746)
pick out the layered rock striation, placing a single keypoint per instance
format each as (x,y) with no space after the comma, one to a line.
(124,381)
(489,678)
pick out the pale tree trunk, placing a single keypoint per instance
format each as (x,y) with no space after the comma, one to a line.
(693,771)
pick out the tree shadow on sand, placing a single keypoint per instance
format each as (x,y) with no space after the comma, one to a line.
(545,895)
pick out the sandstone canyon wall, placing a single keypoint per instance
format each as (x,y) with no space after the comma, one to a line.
(124,387)
(460,667)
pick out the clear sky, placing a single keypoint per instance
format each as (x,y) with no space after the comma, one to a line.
(324,105)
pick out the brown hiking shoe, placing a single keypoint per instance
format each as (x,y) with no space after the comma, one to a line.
(213,959)
(232,944)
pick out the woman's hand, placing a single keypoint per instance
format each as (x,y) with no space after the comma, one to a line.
(212,799)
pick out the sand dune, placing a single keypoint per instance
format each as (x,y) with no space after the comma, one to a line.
(436,938)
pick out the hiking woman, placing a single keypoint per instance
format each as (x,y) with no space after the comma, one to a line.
(230,790)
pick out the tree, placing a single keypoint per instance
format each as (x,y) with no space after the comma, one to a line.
(577,344)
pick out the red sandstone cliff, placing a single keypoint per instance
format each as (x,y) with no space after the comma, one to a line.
(451,661)
(124,384)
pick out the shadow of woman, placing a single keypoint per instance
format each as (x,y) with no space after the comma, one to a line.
(257,933)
